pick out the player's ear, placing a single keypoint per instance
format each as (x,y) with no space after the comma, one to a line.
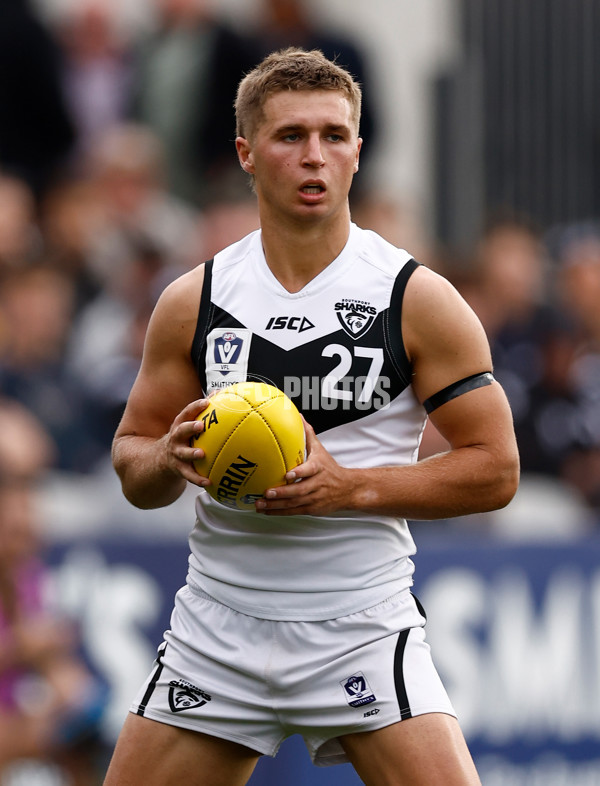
(244,154)
(357,154)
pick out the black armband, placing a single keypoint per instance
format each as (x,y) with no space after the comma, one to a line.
(457,389)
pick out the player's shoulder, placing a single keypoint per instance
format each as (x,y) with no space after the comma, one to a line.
(434,311)
(176,310)
(428,288)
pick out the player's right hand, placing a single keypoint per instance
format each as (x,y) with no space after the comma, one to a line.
(179,454)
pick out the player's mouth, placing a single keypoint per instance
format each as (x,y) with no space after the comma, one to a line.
(313,189)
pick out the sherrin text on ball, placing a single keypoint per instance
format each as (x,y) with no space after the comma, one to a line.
(253,434)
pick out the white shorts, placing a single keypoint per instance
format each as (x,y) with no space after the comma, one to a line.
(258,681)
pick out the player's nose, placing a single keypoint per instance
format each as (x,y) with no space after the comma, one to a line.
(313,153)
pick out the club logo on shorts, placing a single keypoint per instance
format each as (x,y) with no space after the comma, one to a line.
(357,690)
(185,696)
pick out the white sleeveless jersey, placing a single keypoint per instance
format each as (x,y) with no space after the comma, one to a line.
(336,349)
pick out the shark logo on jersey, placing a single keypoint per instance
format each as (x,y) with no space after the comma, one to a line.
(185,696)
(357,690)
(355,316)
(227,353)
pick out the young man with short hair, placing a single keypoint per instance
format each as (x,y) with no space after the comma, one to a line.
(298,618)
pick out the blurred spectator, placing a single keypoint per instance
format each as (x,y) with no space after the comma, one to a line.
(96,72)
(126,167)
(20,240)
(69,216)
(544,336)
(397,221)
(107,339)
(228,218)
(290,23)
(50,704)
(509,291)
(26,448)
(185,82)
(579,290)
(36,131)
(36,305)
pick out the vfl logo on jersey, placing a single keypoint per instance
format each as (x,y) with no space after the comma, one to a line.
(355,316)
(299,324)
(185,696)
(227,352)
(357,690)
(227,349)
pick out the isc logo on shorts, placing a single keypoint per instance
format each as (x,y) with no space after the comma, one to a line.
(357,690)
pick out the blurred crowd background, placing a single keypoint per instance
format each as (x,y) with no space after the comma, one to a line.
(118,173)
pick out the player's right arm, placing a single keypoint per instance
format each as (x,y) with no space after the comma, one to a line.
(151,449)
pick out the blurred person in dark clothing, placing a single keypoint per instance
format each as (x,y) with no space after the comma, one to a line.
(36,130)
(106,341)
(20,239)
(509,291)
(291,23)
(69,215)
(36,306)
(128,169)
(184,85)
(579,292)
(544,332)
(96,69)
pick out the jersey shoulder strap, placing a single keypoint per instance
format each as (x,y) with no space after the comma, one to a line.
(205,314)
(398,354)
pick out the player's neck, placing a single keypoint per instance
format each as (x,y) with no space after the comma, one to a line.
(297,254)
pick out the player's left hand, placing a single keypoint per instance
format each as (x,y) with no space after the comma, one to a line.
(318,487)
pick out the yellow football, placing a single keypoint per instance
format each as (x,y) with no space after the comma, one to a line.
(253,434)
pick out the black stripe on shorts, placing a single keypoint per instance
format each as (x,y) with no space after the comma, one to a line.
(153,680)
(401,694)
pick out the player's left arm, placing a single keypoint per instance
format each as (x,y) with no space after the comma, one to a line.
(446,344)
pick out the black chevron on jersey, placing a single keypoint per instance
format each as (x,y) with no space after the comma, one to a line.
(334,379)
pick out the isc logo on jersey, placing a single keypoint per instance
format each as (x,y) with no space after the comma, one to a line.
(299,324)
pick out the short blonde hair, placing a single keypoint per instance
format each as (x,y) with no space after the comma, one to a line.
(290,69)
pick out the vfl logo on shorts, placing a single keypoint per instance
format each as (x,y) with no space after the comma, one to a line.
(185,696)
(357,690)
